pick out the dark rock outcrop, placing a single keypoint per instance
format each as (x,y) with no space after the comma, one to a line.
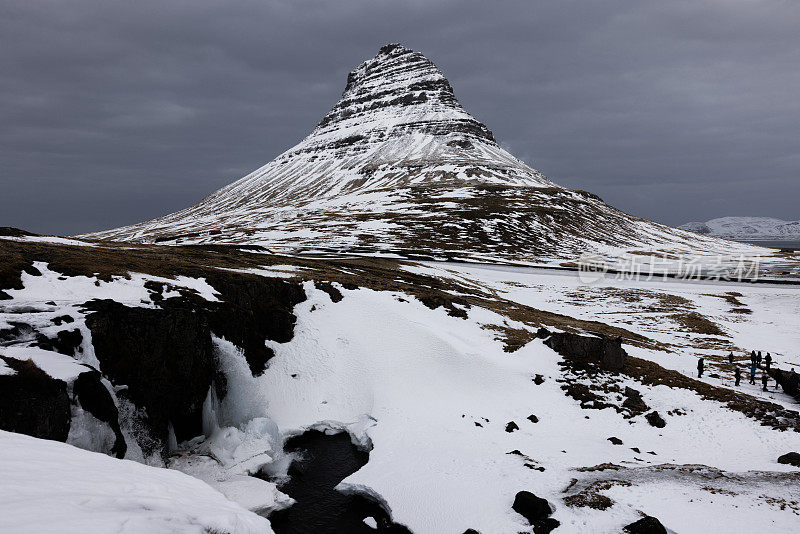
(655,419)
(633,401)
(255,309)
(607,351)
(583,393)
(790,458)
(646,525)
(33,403)
(165,358)
(327,287)
(511,426)
(449,303)
(95,399)
(536,510)
(789,382)
(58,321)
(323,461)
(615,440)
(66,342)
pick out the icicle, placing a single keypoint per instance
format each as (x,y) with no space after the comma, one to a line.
(211,409)
(172,441)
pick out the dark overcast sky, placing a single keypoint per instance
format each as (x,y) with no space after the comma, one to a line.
(112,112)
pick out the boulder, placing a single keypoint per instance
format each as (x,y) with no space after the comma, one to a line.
(531,507)
(604,350)
(646,525)
(545,526)
(790,383)
(511,426)
(655,419)
(790,458)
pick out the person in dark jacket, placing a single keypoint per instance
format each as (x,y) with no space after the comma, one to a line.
(753,373)
(753,357)
(778,377)
(700,368)
(737,374)
(758,358)
(730,357)
(764,381)
(768,360)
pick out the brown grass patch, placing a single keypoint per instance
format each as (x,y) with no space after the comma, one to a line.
(513,339)
(694,322)
(590,496)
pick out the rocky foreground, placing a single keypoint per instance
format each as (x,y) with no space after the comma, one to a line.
(476,397)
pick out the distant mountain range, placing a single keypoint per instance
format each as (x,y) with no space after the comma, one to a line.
(747,228)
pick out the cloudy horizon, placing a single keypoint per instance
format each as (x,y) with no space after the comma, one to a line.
(115,113)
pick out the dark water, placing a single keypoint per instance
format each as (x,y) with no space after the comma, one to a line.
(326,461)
(776,244)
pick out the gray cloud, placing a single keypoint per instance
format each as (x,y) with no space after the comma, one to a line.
(115,112)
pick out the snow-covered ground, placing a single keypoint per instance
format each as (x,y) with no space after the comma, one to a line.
(422,380)
(766,317)
(53,487)
(431,396)
(51,239)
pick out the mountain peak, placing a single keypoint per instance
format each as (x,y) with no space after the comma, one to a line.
(396,67)
(401,87)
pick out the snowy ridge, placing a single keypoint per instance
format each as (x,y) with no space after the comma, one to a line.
(764,228)
(398,165)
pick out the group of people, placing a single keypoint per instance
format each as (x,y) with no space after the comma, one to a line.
(756,359)
(789,383)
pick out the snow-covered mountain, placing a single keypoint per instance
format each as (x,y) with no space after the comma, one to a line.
(398,165)
(759,228)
